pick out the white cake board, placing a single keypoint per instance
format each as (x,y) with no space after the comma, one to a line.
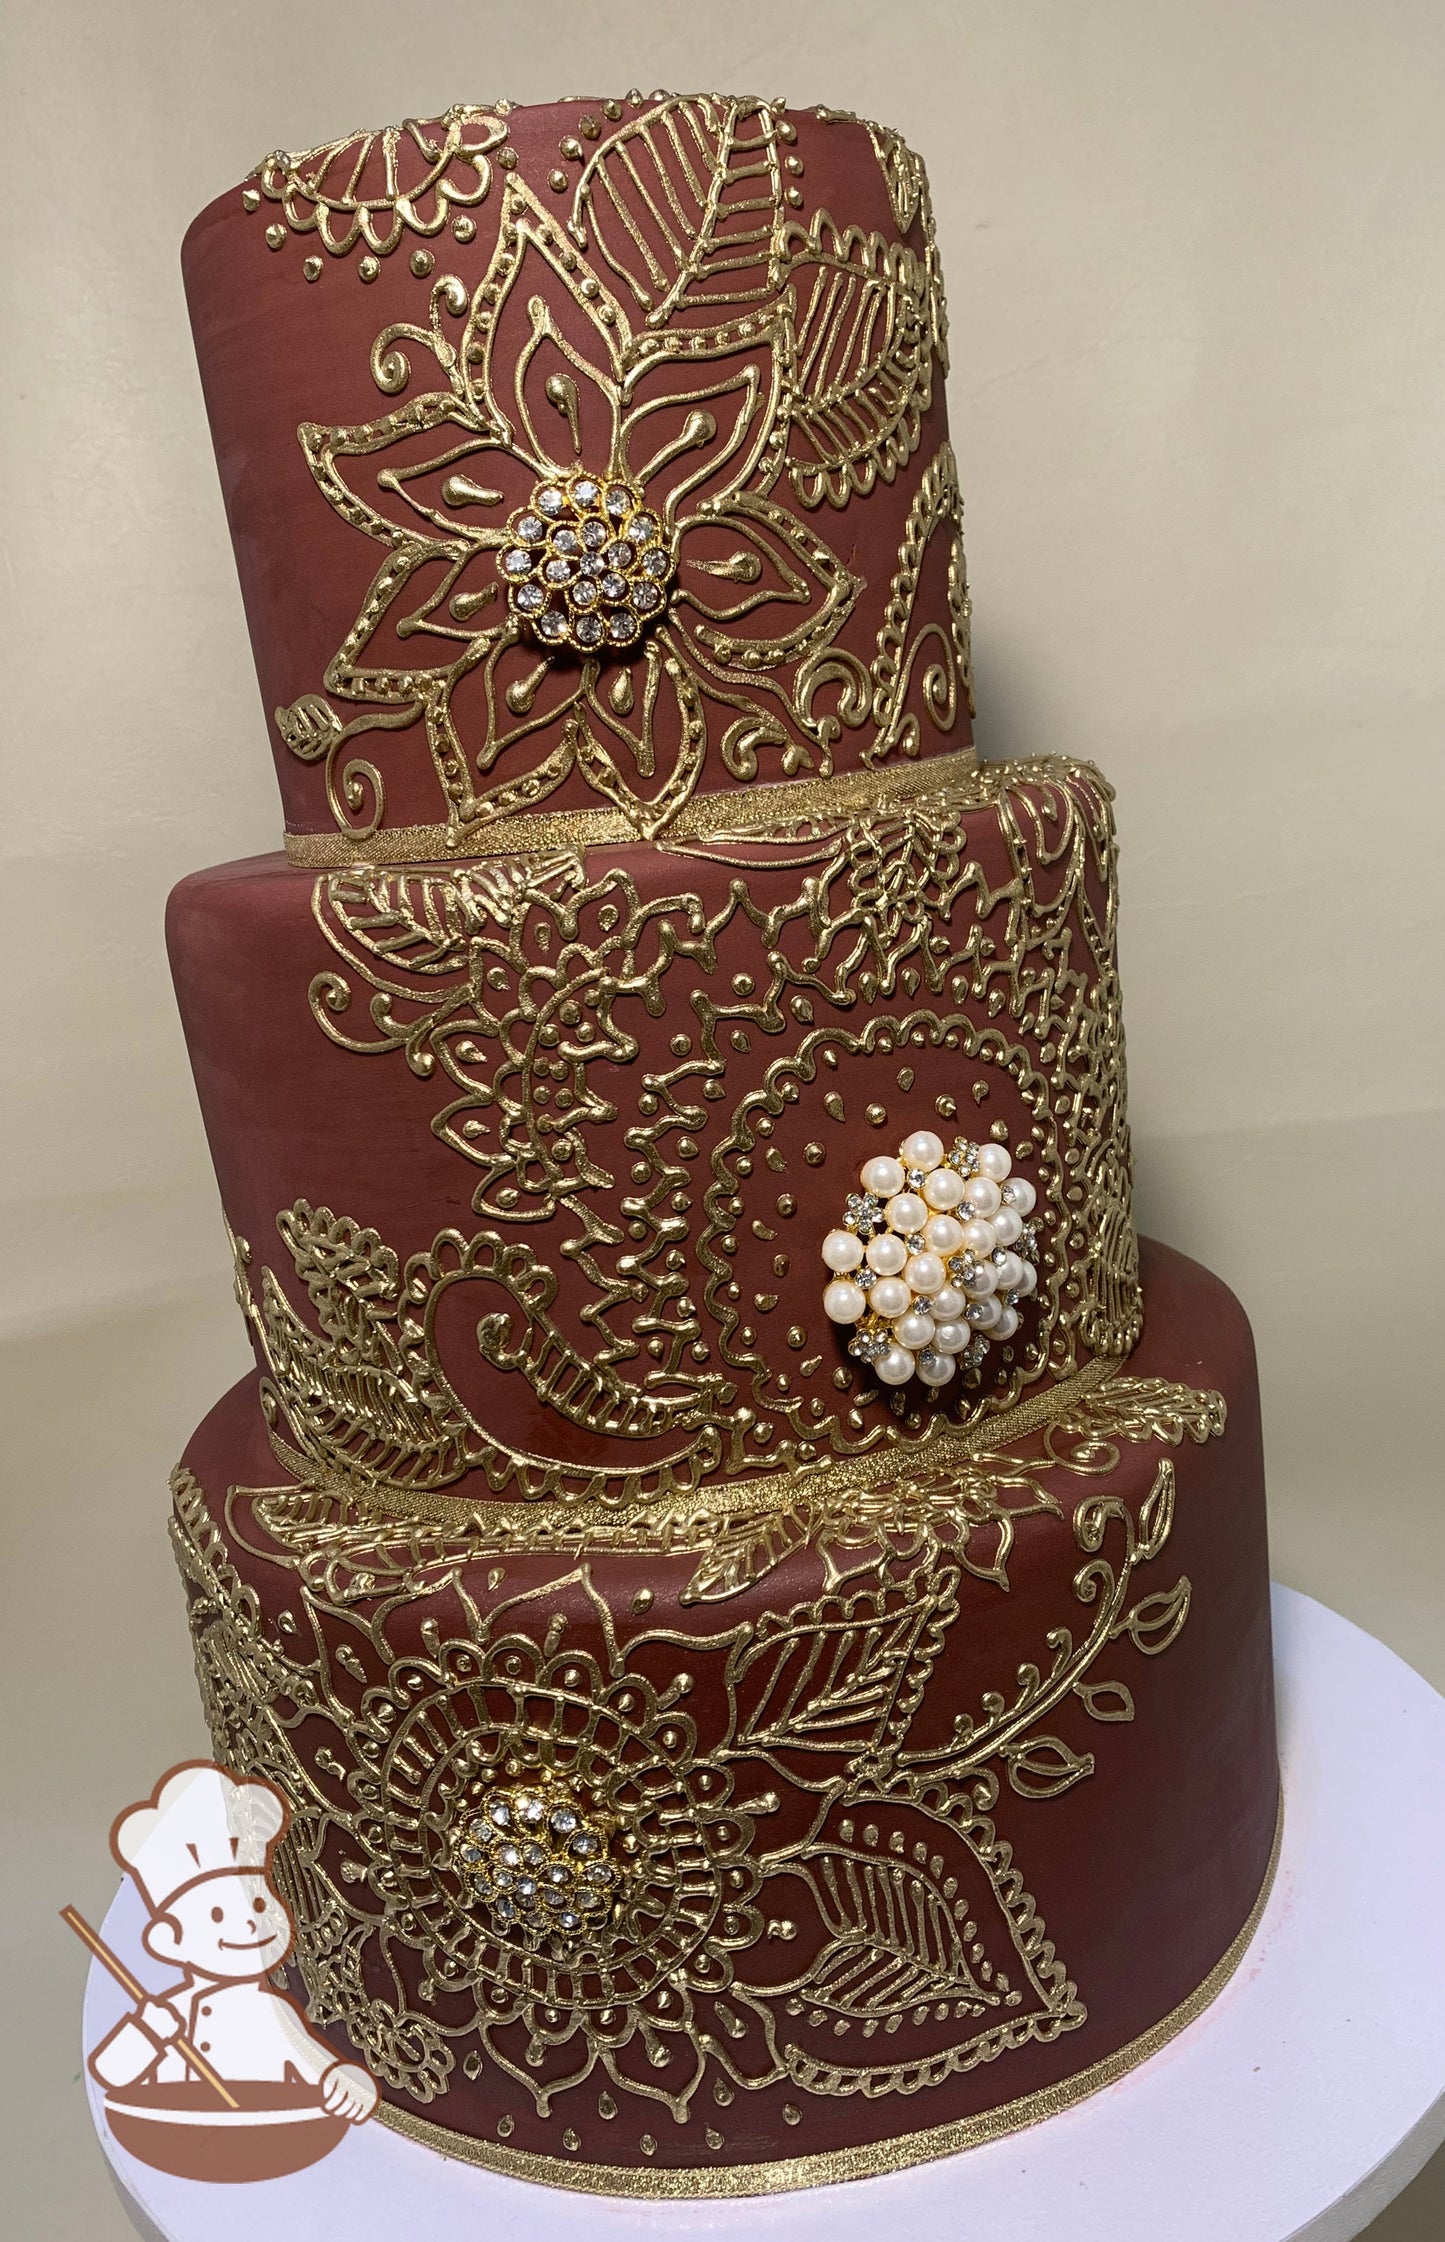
(1293,2110)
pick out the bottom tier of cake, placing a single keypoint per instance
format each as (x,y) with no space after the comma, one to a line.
(751,1856)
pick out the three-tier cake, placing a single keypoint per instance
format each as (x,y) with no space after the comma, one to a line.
(754,1592)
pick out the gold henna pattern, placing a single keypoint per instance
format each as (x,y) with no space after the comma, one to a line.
(523,989)
(367,1397)
(347,1539)
(379,187)
(950,674)
(682,203)
(809,1888)
(864,351)
(431,1685)
(684,341)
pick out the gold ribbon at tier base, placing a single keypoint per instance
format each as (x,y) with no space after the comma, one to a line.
(704,817)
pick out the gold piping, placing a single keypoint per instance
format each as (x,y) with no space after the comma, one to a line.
(869,2159)
(722,1499)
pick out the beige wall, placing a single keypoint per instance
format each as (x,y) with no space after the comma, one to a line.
(1194,267)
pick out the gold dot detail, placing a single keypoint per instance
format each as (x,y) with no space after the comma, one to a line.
(275,237)
(557,181)
(312,268)
(814,1155)
(422,261)
(368,268)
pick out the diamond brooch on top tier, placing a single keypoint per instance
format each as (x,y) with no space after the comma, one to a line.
(587,565)
(932,1259)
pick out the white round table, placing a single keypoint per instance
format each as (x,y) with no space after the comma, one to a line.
(1293,2110)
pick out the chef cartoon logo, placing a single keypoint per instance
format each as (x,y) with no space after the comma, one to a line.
(218,2076)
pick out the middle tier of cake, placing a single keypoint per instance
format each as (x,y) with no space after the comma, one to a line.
(529,1161)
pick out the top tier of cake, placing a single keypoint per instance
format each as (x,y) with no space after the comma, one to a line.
(588,462)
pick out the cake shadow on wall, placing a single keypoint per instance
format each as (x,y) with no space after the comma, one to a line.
(755,1595)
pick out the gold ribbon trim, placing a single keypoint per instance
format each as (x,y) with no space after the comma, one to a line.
(702,818)
(870,2158)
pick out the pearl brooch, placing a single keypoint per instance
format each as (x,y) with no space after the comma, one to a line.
(932,1258)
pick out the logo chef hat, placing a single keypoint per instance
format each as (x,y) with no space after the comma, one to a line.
(200,1822)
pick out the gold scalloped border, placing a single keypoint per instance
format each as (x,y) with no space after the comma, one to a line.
(871,2158)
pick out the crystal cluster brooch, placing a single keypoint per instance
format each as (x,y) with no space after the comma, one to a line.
(934,1254)
(587,565)
(539,1862)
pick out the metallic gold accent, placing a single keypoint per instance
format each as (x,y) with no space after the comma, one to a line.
(871,2159)
(831,394)
(514,986)
(378,187)
(703,818)
(863,318)
(689,241)
(367,1397)
(906,1898)
(744,1528)
(949,676)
